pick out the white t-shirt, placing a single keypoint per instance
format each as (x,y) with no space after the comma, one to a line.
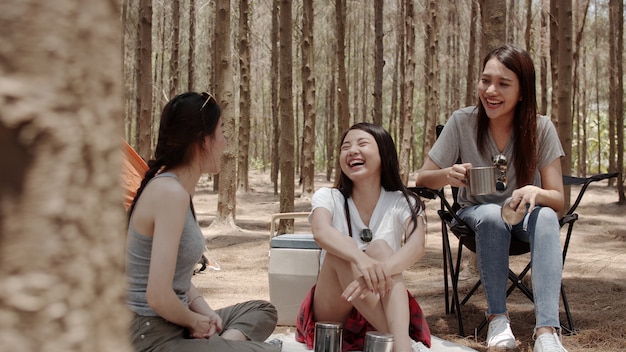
(387,221)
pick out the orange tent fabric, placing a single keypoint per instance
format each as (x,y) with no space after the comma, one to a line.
(133,170)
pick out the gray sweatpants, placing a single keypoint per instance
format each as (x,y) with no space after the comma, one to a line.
(255,319)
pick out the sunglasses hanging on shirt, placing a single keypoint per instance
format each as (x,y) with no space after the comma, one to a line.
(366,234)
(501,163)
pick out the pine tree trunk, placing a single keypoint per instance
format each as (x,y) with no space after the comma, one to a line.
(343,118)
(308,101)
(244,95)
(431,86)
(62,232)
(379,62)
(287,130)
(275,155)
(409,86)
(563,92)
(144,81)
(175,57)
(226,202)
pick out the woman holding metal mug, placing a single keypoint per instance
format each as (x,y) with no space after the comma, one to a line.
(505,130)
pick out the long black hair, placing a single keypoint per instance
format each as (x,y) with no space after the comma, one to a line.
(389,168)
(185,121)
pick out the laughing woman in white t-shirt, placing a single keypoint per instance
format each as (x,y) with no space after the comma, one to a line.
(371,228)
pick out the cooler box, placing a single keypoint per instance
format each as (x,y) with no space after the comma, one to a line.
(293,267)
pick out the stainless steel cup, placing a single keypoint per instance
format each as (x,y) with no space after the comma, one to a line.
(512,216)
(482,180)
(328,337)
(376,341)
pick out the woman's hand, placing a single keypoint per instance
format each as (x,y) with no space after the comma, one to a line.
(375,277)
(524,196)
(206,325)
(457,174)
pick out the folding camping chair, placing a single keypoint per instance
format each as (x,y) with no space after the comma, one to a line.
(450,222)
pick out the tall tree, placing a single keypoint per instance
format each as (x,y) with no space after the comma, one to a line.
(343,118)
(143,129)
(409,86)
(227,200)
(562,44)
(191,68)
(493,24)
(544,53)
(578,90)
(275,155)
(616,82)
(174,81)
(244,95)
(379,61)
(287,150)
(431,79)
(61,248)
(472,59)
(308,101)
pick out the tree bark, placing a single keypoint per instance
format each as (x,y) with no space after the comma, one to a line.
(227,200)
(61,217)
(563,95)
(244,96)
(143,129)
(343,118)
(275,155)
(379,61)
(287,150)
(431,86)
(409,86)
(472,60)
(616,105)
(174,80)
(191,67)
(308,101)
(493,24)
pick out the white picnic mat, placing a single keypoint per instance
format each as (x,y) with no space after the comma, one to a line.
(438,345)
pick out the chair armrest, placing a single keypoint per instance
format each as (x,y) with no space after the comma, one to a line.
(424,192)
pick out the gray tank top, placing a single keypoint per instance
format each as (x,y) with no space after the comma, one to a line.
(138,251)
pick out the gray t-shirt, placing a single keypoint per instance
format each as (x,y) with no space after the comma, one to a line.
(458,139)
(138,252)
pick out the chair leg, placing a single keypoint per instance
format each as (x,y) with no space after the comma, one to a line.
(454,276)
(570,329)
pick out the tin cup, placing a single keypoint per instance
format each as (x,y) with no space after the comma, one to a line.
(376,341)
(482,180)
(512,216)
(328,337)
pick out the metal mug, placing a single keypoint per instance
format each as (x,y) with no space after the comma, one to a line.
(328,336)
(482,180)
(376,341)
(512,216)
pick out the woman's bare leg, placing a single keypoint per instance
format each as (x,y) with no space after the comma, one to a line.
(328,305)
(389,314)
(395,303)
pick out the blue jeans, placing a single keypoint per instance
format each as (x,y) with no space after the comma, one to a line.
(493,236)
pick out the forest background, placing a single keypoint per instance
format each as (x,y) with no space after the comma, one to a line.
(292,76)
(78,75)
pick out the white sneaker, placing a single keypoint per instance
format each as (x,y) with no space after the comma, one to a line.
(500,335)
(418,347)
(549,343)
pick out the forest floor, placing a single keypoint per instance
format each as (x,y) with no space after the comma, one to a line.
(593,275)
